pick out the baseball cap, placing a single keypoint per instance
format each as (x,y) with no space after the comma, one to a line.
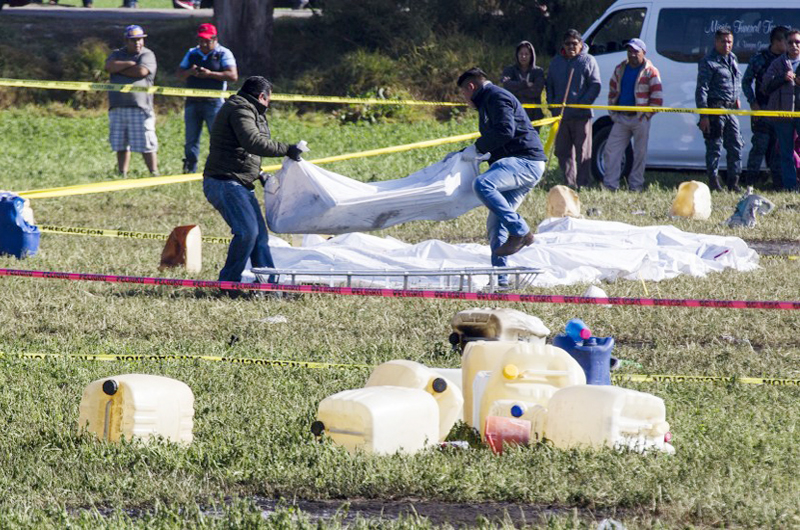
(207,31)
(134,32)
(637,44)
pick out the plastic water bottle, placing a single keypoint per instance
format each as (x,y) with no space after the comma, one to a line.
(577,330)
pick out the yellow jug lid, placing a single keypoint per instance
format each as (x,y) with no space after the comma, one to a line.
(510,371)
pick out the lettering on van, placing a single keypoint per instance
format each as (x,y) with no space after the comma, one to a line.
(762,27)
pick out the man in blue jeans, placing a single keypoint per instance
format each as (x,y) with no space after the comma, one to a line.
(210,66)
(516,158)
(240,136)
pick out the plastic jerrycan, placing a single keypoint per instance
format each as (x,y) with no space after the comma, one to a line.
(480,356)
(138,406)
(693,201)
(496,324)
(593,354)
(18,236)
(379,419)
(530,373)
(606,416)
(411,374)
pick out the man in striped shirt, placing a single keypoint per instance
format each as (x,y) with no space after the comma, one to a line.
(635,83)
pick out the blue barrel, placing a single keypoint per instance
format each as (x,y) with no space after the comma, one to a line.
(17,237)
(593,354)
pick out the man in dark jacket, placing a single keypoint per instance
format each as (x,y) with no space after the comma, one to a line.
(239,138)
(517,161)
(718,84)
(525,80)
(574,73)
(782,83)
(763,131)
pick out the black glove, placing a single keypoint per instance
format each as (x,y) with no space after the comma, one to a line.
(294,153)
(262,177)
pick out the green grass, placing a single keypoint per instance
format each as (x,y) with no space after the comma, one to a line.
(737,450)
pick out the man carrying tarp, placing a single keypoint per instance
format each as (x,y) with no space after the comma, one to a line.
(240,136)
(516,158)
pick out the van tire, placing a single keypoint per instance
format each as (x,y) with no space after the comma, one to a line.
(598,150)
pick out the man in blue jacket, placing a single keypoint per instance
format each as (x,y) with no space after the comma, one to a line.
(210,66)
(516,158)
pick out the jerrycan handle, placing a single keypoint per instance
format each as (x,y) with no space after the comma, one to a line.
(614,363)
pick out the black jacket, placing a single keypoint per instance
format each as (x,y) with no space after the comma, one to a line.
(239,138)
(504,126)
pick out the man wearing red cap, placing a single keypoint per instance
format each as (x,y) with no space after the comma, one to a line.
(209,66)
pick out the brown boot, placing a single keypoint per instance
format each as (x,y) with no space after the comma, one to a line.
(514,244)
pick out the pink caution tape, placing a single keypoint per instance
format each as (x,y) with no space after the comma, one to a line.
(406,293)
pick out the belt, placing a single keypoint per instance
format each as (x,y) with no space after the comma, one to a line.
(721,104)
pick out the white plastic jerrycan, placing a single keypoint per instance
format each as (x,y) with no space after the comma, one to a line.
(379,419)
(480,356)
(138,406)
(411,374)
(530,373)
(693,201)
(605,416)
(496,324)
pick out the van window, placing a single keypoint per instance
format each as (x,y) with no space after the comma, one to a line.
(687,35)
(615,31)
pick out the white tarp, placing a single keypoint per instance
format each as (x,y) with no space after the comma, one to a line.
(303,198)
(569,251)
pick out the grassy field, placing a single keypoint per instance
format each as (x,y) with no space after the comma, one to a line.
(737,450)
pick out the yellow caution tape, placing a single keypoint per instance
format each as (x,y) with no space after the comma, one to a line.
(300,98)
(124,234)
(663,378)
(128,184)
(197,92)
(713,112)
(285,363)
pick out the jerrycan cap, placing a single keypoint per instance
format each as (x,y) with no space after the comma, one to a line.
(317,428)
(110,387)
(439,385)
(517,411)
(510,371)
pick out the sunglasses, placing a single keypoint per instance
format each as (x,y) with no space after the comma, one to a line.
(794,42)
(571,43)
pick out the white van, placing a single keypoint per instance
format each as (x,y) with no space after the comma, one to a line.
(678,33)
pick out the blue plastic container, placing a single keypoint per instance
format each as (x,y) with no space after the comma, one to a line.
(17,237)
(593,354)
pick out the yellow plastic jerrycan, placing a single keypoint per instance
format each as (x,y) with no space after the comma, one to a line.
(597,416)
(411,374)
(480,356)
(530,373)
(138,406)
(693,201)
(379,419)
(496,324)
(563,202)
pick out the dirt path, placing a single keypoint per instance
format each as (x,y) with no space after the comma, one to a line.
(73,12)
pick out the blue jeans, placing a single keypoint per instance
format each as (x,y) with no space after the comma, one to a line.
(501,189)
(785,130)
(196,112)
(241,211)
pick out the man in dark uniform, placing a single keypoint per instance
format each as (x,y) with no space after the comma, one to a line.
(211,66)
(718,83)
(764,137)
(240,136)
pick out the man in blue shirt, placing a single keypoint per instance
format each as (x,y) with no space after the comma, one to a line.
(516,158)
(210,66)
